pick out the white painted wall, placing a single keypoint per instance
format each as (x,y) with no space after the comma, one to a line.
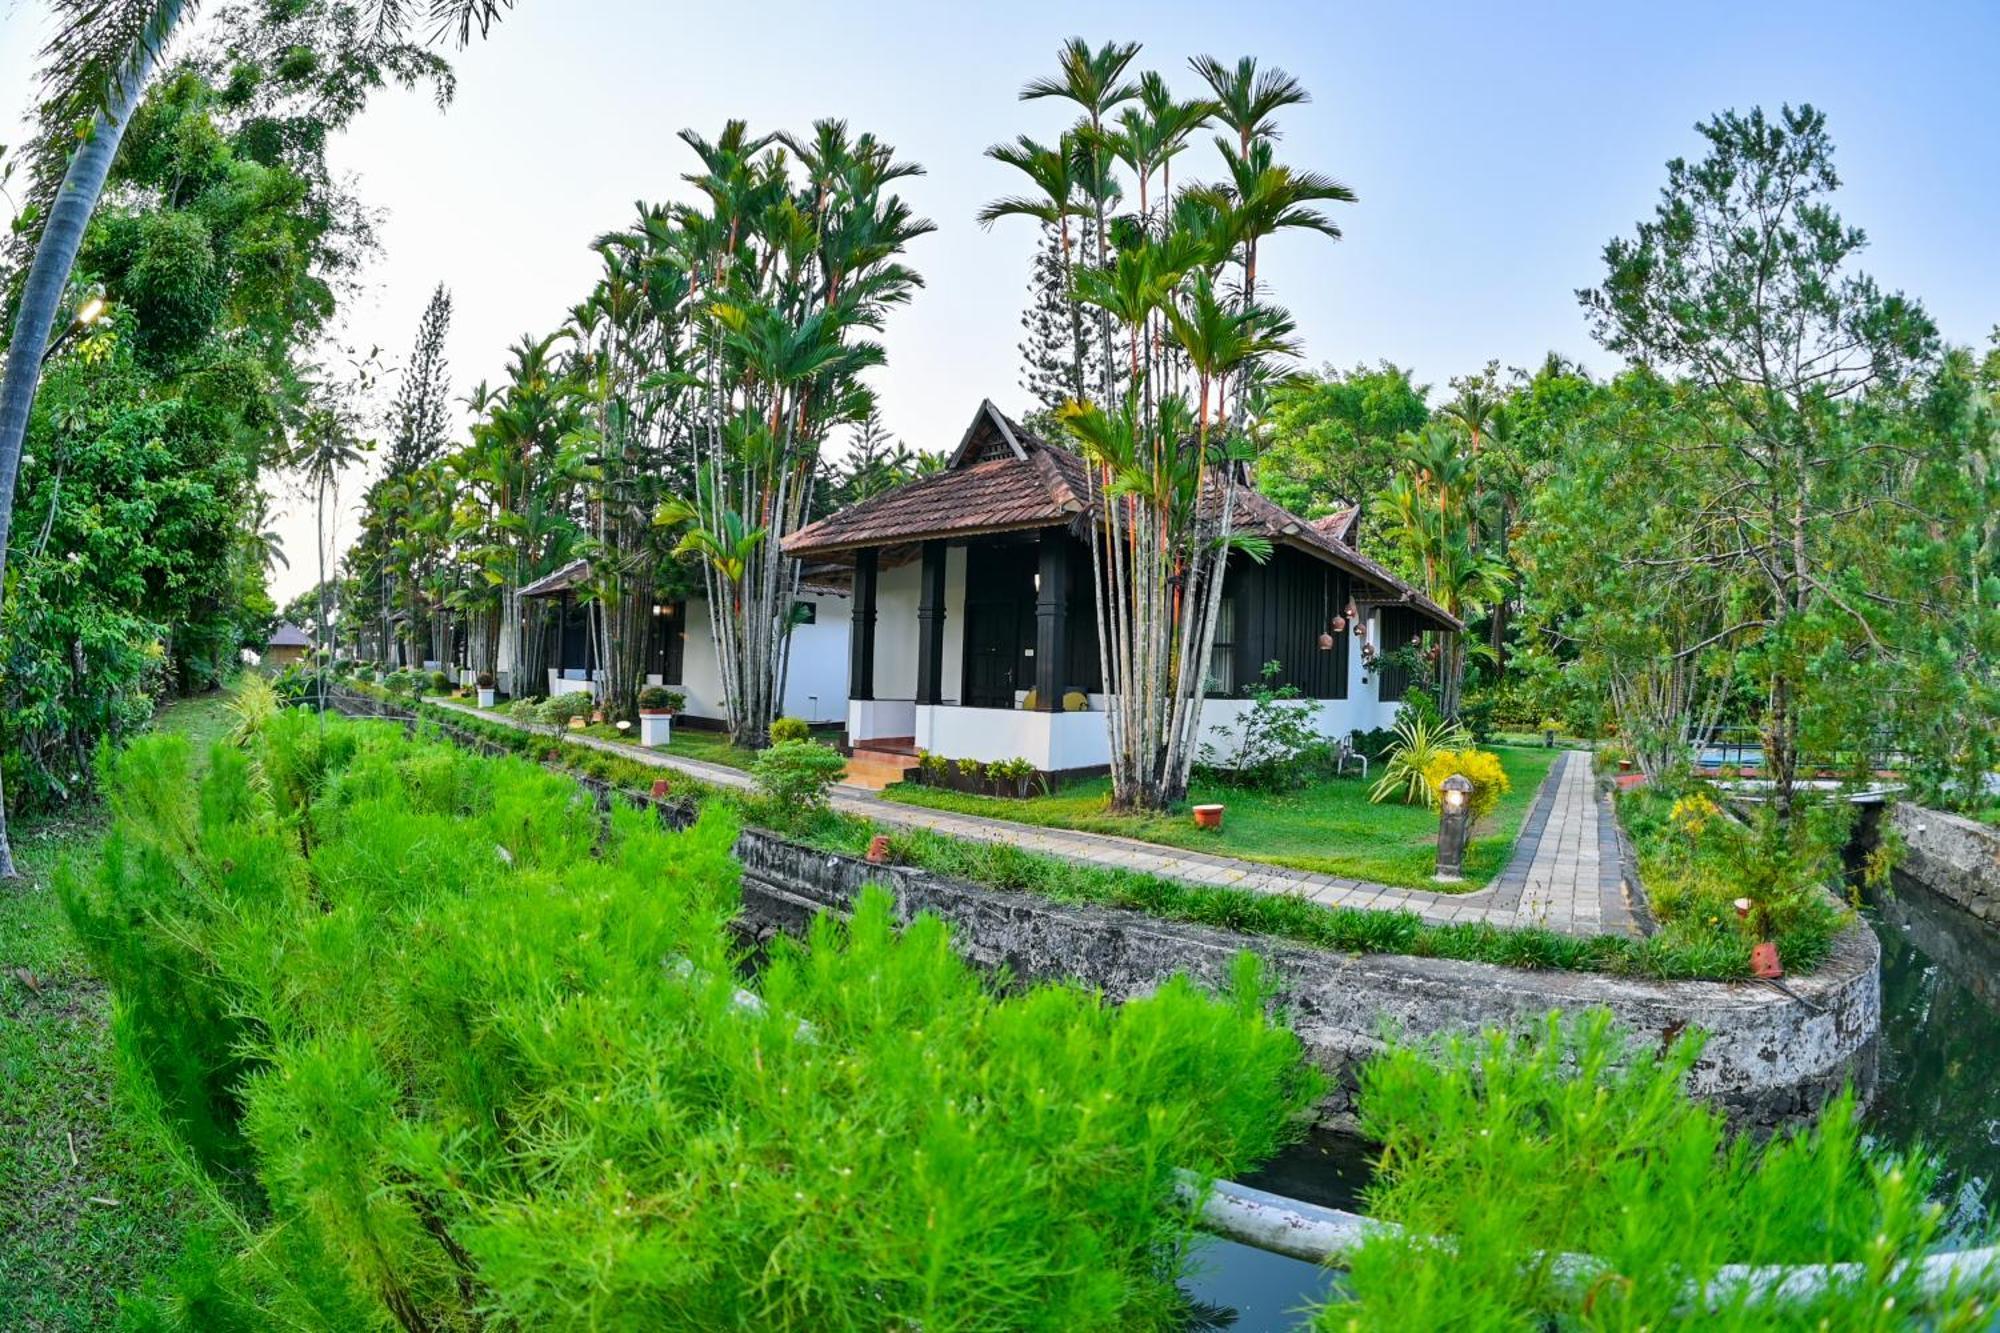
(875,719)
(815,686)
(896,629)
(1050,741)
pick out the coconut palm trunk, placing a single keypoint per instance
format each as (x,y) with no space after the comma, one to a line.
(48,278)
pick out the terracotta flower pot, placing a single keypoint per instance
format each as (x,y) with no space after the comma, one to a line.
(1208,816)
(577,724)
(661,787)
(1764,961)
(878,850)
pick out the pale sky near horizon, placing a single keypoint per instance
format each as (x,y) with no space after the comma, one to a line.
(1494,149)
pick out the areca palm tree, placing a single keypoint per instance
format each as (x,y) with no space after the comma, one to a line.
(1094,80)
(1050,171)
(1247,98)
(326,447)
(95,71)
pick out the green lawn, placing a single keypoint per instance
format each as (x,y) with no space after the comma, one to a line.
(1330,826)
(94,1202)
(711,747)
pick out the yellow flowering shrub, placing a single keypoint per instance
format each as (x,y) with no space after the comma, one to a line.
(1489,779)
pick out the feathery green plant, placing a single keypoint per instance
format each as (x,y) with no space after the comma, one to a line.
(1503,1153)
(472,1052)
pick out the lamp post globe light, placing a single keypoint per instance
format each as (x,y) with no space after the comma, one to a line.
(1454,827)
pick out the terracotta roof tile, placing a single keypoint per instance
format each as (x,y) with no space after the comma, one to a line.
(1004,477)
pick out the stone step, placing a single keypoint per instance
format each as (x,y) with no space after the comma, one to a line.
(873,777)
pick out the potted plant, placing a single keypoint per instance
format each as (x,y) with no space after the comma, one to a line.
(657,706)
(1208,816)
(487,692)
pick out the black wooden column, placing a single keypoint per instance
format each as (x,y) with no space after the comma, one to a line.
(930,626)
(1052,619)
(861,641)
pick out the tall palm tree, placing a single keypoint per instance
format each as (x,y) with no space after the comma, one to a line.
(95,70)
(1248,99)
(1050,171)
(1095,82)
(326,446)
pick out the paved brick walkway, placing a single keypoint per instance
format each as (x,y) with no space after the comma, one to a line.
(1564,873)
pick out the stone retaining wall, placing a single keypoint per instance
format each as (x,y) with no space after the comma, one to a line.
(1956,858)
(1771,1059)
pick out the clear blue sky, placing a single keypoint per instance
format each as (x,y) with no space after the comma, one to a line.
(1494,149)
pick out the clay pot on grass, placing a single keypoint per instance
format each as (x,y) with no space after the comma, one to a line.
(1208,816)
(878,850)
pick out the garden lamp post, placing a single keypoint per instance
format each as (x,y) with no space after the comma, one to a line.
(87,314)
(1454,824)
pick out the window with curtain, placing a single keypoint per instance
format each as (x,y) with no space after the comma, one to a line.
(1222,657)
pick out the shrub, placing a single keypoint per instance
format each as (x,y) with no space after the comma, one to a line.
(789,729)
(1696,860)
(439,682)
(1503,1151)
(935,767)
(475,1096)
(1374,743)
(1277,734)
(1014,772)
(1420,738)
(1482,767)
(795,776)
(1477,716)
(660,699)
(486,681)
(972,770)
(561,708)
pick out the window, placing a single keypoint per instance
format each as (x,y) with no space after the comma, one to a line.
(1222,657)
(805,613)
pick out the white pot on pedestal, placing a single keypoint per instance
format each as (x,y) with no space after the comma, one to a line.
(486,697)
(655,729)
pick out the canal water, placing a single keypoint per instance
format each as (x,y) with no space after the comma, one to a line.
(1939,1086)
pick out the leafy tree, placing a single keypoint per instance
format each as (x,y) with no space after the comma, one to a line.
(1332,439)
(420,420)
(96,70)
(1743,281)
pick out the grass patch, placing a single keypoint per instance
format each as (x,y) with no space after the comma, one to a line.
(96,1200)
(1695,861)
(708,747)
(1300,920)
(1329,827)
(1680,955)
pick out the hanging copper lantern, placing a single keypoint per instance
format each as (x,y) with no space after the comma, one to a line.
(1339,624)
(1325,642)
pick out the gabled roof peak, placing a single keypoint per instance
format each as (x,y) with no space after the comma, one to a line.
(991,435)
